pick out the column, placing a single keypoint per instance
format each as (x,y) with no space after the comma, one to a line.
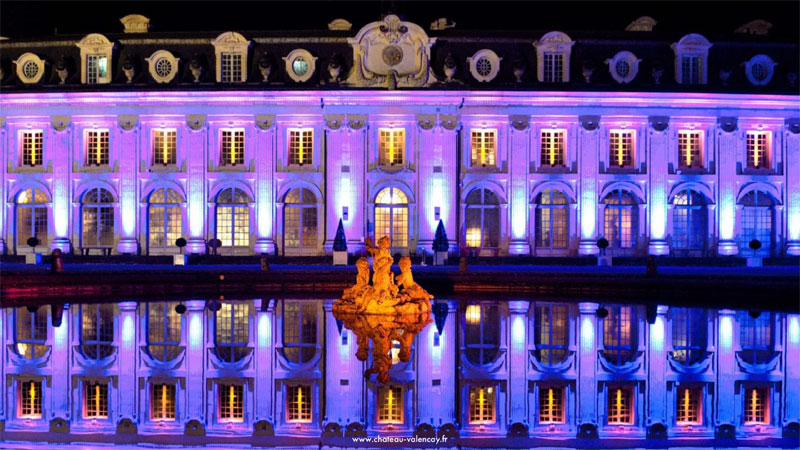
(726,372)
(344,378)
(62,379)
(432,199)
(727,141)
(4,161)
(518,361)
(196,143)
(792,139)
(436,381)
(127,150)
(656,370)
(356,224)
(127,361)
(587,364)
(194,359)
(519,166)
(588,140)
(264,387)
(792,411)
(658,156)
(338,183)
(447,135)
(264,146)
(60,150)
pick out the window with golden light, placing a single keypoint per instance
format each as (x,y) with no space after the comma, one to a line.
(553,142)
(620,147)
(97,148)
(231,403)
(31,148)
(690,149)
(165,144)
(232,147)
(392,146)
(301,146)
(481,405)
(484,148)
(390,404)
(298,403)
(620,406)
(759,146)
(30,400)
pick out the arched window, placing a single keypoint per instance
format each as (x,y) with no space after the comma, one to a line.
(689,335)
(31,332)
(689,215)
(758,212)
(552,219)
(391,216)
(32,216)
(756,337)
(232,331)
(163,331)
(620,334)
(483,219)
(551,333)
(233,218)
(482,333)
(621,219)
(299,330)
(164,218)
(98,218)
(97,330)
(300,218)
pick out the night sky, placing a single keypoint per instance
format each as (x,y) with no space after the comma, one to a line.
(34,19)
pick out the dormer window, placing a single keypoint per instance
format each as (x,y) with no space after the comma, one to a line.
(759,70)
(163,66)
(300,65)
(553,52)
(623,67)
(30,68)
(231,54)
(691,59)
(95,59)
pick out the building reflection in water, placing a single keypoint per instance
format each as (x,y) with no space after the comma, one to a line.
(253,369)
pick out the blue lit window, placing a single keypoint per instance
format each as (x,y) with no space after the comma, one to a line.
(163,330)
(550,333)
(31,332)
(482,333)
(97,331)
(758,212)
(552,220)
(620,334)
(756,337)
(689,335)
(483,219)
(299,330)
(232,327)
(689,215)
(621,219)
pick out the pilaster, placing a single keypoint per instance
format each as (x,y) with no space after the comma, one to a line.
(127,361)
(587,364)
(727,140)
(436,384)
(61,151)
(658,155)
(3,191)
(792,411)
(792,139)
(344,372)
(128,152)
(61,383)
(656,373)
(265,324)
(517,360)
(518,166)
(265,184)
(195,359)
(588,140)
(196,151)
(726,372)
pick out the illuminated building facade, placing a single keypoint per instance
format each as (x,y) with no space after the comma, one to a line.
(520,145)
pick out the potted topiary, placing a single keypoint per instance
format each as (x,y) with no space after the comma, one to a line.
(440,245)
(602,258)
(33,257)
(181,259)
(755,261)
(340,246)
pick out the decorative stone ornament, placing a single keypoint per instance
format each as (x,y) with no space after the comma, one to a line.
(334,121)
(756,27)
(135,23)
(163,66)
(356,121)
(195,121)
(60,123)
(519,67)
(300,65)
(623,67)
(426,121)
(644,23)
(484,65)
(449,67)
(30,68)
(728,124)
(449,122)
(335,68)
(519,123)
(265,67)
(128,69)
(127,122)
(589,123)
(391,53)
(793,125)
(196,67)
(657,72)
(61,70)
(759,70)
(339,25)
(441,24)
(587,69)
(659,123)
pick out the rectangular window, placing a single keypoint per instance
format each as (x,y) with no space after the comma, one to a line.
(553,67)
(232,147)
(481,405)
(758,149)
(690,406)
(553,148)
(620,149)
(298,403)
(301,146)
(164,146)
(756,408)
(551,405)
(30,400)
(620,406)
(690,70)
(97,148)
(484,148)
(231,70)
(32,148)
(163,402)
(95,398)
(390,405)
(392,146)
(690,149)
(96,69)
(231,403)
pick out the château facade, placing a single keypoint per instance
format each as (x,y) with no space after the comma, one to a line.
(520,145)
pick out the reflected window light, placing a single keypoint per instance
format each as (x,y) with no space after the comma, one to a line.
(30,400)
(298,405)
(231,403)
(390,404)
(481,405)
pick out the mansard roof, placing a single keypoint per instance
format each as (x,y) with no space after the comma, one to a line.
(518,64)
